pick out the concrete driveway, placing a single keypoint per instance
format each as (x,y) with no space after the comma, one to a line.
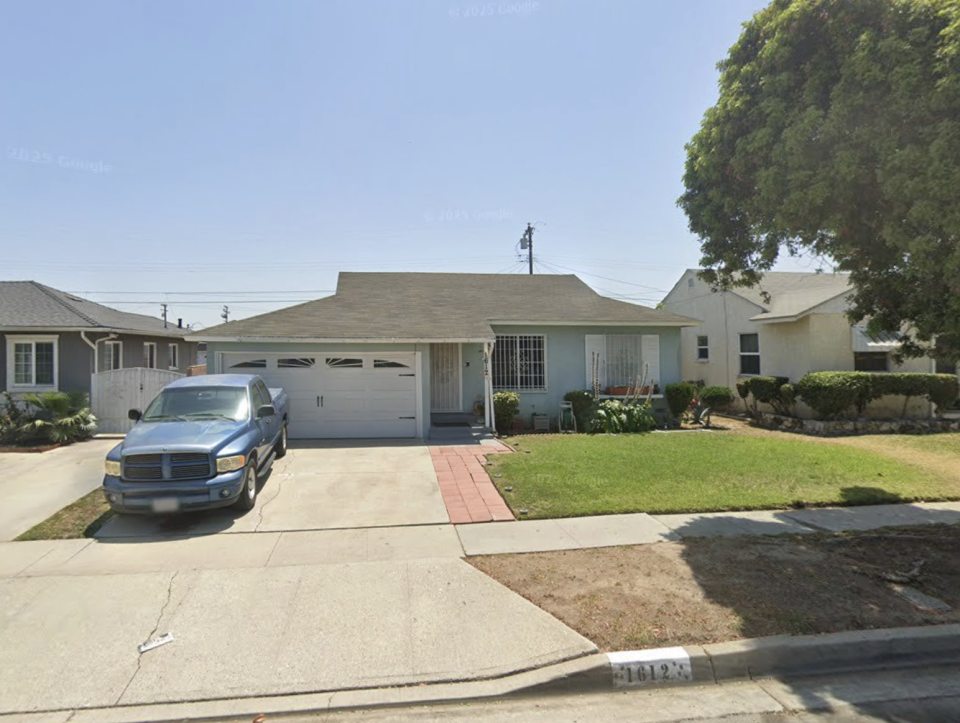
(34,485)
(320,485)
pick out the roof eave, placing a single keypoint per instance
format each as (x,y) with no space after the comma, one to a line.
(174,333)
(339,340)
(596,322)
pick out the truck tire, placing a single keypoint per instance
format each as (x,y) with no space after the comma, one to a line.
(248,494)
(280,449)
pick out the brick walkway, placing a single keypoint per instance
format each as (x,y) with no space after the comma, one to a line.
(467,490)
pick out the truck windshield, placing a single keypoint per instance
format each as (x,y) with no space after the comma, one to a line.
(198,403)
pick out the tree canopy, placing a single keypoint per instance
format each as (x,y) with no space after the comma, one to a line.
(837,133)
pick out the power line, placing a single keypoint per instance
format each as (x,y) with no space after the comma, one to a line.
(211,302)
(607,278)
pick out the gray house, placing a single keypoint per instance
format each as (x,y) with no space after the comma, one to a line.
(54,341)
(390,353)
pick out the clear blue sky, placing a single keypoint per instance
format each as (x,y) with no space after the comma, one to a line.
(238,147)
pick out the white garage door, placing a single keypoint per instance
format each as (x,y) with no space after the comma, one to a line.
(340,394)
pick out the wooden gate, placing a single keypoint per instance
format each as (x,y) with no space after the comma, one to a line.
(114,393)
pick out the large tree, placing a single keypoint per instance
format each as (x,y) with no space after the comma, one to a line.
(837,134)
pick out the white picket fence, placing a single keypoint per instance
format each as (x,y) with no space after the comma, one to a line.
(114,393)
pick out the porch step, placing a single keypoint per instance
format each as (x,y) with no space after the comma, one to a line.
(467,434)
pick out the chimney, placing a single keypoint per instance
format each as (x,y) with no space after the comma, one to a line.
(179,323)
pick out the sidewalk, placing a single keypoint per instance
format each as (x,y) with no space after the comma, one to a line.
(640,528)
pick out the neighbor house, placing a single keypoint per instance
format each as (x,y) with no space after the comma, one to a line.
(55,341)
(390,352)
(790,324)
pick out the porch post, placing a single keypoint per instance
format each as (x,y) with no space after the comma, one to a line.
(489,418)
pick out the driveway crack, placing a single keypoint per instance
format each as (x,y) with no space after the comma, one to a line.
(264,505)
(156,626)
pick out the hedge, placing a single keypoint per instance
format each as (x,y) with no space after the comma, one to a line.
(716,398)
(679,396)
(582,407)
(831,394)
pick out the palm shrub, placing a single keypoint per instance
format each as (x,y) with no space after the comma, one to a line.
(58,417)
(611,416)
(505,408)
(582,406)
(12,418)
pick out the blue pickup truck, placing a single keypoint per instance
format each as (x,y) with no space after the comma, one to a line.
(204,442)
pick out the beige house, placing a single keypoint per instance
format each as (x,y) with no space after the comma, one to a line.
(791,324)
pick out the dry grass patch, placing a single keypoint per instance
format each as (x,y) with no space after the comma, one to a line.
(80,519)
(710,590)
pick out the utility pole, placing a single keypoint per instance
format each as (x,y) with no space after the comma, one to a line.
(164,307)
(526,242)
(226,313)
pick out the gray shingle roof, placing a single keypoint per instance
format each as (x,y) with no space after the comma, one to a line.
(30,305)
(436,306)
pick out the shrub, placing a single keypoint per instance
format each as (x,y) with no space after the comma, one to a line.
(830,394)
(582,406)
(505,407)
(57,417)
(943,390)
(716,398)
(611,416)
(679,397)
(788,396)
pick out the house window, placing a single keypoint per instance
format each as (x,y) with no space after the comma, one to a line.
(870,361)
(173,352)
(703,348)
(150,354)
(31,362)
(749,353)
(624,359)
(112,355)
(520,362)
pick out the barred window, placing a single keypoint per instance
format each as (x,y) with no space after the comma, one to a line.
(520,362)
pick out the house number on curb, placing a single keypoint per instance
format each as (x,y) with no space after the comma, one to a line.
(632,668)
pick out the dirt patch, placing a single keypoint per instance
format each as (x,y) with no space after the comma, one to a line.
(711,590)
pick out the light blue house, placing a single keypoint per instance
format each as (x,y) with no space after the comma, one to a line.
(391,354)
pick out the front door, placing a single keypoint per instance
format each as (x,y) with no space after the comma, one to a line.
(445,392)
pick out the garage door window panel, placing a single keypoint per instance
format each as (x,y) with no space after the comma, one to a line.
(389,364)
(250,364)
(296,363)
(344,363)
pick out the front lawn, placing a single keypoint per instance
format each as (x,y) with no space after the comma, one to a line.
(576,475)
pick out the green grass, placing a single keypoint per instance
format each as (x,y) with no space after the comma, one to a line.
(79,519)
(574,475)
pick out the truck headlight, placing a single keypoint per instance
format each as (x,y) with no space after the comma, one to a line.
(229,464)
(112,468)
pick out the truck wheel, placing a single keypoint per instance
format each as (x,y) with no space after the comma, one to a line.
(280,449)
(248,495)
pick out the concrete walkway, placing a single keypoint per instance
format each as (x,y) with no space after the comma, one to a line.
(34,485)
(638,529)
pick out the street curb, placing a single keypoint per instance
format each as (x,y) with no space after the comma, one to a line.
(782,655)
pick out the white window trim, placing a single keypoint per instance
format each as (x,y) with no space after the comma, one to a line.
(546,368)
(12,341)
(741,354)
(706,359)
(173,355)
(151,345)
(109,355)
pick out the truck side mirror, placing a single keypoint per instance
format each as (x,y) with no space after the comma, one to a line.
(134,414)
(267,410)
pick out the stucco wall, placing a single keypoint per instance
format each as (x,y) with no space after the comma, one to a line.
(75,357)
(723,317)
(567,366)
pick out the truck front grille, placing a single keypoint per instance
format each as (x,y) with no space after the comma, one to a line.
(162,467)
